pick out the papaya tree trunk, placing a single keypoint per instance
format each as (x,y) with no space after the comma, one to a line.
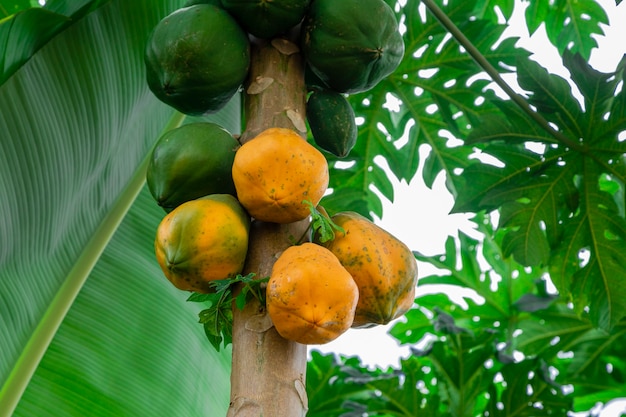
(268,372)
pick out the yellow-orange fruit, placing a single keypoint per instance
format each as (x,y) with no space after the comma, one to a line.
(203,240)
(384,268)
(275,172)
(311,298)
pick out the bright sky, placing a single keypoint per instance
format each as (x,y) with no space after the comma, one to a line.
(420,217)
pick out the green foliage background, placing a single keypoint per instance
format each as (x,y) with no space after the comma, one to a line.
(77,224)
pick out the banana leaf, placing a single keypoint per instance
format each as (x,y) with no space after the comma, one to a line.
(89,326)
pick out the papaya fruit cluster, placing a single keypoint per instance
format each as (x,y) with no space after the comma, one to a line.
(198,57)
(212,187)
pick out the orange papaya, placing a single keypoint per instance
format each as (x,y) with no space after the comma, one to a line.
(275,172)
(383,267)
(311,298)
(203,240)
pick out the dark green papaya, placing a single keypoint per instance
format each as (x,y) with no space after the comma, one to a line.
(332,122)
(312,81)
(266,19)
(196,59)
(194,2)
(190,162)
(351,45)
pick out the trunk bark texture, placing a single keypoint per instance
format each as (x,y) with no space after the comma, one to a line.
(268,372)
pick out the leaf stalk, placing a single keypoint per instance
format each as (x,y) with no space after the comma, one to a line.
(480,59)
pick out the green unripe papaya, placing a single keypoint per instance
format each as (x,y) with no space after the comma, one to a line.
(194,2)
(266,19)
(190,162)
(196,59)
(332,122)
(351,44)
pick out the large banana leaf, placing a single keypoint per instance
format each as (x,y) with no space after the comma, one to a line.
(76,124)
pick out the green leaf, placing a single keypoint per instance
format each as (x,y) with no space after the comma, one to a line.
(322,226)
(426,99)
(217,319)
(396,393)
(488,9)
(328,389)
(10,7)
(27,29)
(543,327)
(552,96)
(561,202)
(23,34)
(571,24)
(78,122)
(529,391)
(461,369)
(598,232)
(533,302)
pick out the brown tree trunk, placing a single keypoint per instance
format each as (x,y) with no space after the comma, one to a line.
(268,372)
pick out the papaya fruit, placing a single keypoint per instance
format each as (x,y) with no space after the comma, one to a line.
(266,19)
(190,162)
(188,3)
(351,45)
(275,172)
(196,59)
(203,240)
(310,297)
(384,268)
(332,122)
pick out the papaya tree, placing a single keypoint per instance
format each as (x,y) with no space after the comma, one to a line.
(90,326)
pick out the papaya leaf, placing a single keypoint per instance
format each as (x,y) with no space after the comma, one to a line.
(560,203)
(460,367)
(590,262)
(217,319)
(396,391)
(529,391)
(587,358)
(354,176)
(328,389)
(414,329)
(420,105)
(487,9)
(448,99)
(533,302)
(466,272)
(542,327)
(322,226)
(553,98)
(569,25)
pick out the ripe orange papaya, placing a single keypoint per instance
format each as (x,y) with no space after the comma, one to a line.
(203,240)
(275,172)
(310,297)
(383,267)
